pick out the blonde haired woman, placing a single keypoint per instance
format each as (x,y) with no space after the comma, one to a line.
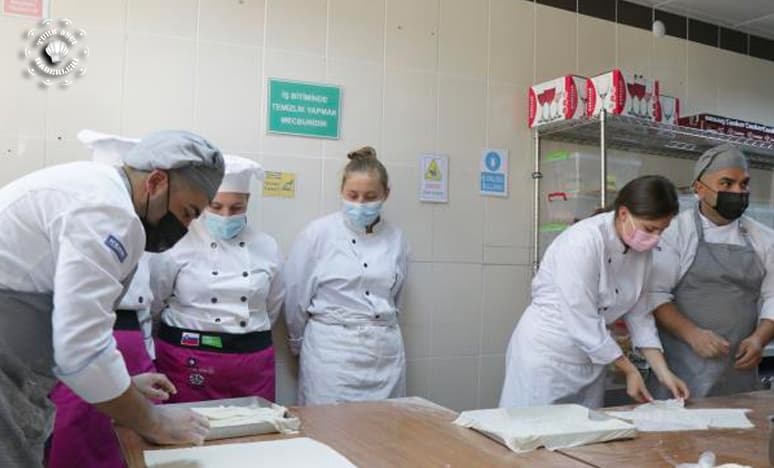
(344,277)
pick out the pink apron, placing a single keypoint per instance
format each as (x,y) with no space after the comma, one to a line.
(83,437)
(210,366)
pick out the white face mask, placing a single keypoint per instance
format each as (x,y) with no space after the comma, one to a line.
(362,214)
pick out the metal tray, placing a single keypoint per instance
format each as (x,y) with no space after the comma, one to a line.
(240,430)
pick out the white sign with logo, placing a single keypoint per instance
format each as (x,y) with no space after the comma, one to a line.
(494,172)
(434,178)
(55,51)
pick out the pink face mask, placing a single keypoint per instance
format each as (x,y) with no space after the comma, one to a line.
(640,240)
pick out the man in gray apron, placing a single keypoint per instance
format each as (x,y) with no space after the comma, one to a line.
(71,239)
(710,285)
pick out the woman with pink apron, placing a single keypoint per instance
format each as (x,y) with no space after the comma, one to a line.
(83,437)
(219,293)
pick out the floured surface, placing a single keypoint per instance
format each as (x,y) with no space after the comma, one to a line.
(301,452)
(671,415)
(230,416)
(554,427)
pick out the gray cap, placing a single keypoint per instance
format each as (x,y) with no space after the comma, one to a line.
(720,157)
(192,156)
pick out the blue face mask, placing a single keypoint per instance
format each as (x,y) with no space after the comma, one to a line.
(362,214)
(225,227)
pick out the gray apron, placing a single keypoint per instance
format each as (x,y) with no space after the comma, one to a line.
(26,375)
(720,293)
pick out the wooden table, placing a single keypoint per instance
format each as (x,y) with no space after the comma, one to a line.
(409,432)
(662,449)
(412,432)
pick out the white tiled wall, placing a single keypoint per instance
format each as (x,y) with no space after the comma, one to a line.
(418,76)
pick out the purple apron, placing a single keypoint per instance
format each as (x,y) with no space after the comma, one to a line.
(210,365)
(83,437)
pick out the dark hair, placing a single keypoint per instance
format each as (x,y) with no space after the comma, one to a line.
(648,197)
(364,160)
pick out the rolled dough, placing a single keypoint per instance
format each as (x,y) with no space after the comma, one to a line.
(228,416)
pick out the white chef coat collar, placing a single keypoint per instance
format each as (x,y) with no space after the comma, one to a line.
(360,230)
(125,179)
(612,239)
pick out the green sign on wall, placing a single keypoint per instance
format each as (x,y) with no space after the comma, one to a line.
(304,109)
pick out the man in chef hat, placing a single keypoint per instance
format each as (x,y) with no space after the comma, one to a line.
(713,276)
(72,237)
(220,292)
(83,435)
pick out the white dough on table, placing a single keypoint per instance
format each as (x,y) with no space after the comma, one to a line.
(671,415)
(553,427)
(300,452)
(227,416)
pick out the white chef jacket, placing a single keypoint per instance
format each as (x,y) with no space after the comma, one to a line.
(71,230)
(209,284)
(589,279)
(678,248)
(139,297)
(337,269)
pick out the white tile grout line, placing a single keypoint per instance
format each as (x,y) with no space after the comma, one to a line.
(481,302)
(384,75)
(323,145)
(197,52)
(264,98)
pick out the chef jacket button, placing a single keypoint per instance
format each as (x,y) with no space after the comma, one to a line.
(214,273)
(217,320)
(214,300)
(242,244)
(378,316)
(242,323)
(213,245)
(243,299)
(354,241)
(368,293)
(140,299)
(609,260)
(605,309)
(365,265)
(244,273)
(616,291)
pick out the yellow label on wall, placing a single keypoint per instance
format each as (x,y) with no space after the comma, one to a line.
(279,184)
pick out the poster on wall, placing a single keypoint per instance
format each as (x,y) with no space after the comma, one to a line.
(279,184)
(304,109)
(494,172)
(37,9)
(434,178)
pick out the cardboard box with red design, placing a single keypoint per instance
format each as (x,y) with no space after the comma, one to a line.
(712,122)
(667,110)
(561,99)
(623,93)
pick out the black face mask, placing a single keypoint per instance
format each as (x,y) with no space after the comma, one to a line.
(165,233)
(731,205)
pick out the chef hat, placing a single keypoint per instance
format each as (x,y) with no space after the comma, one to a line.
(720,157)
(106,148)
(194,158)
(239,172)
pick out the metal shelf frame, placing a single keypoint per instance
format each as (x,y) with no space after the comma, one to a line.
(610,131)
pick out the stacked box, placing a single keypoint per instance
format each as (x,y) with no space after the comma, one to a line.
(623,93)
(561,99)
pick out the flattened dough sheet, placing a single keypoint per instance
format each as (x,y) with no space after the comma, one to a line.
(300,452)
(553,427)
(671,415)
